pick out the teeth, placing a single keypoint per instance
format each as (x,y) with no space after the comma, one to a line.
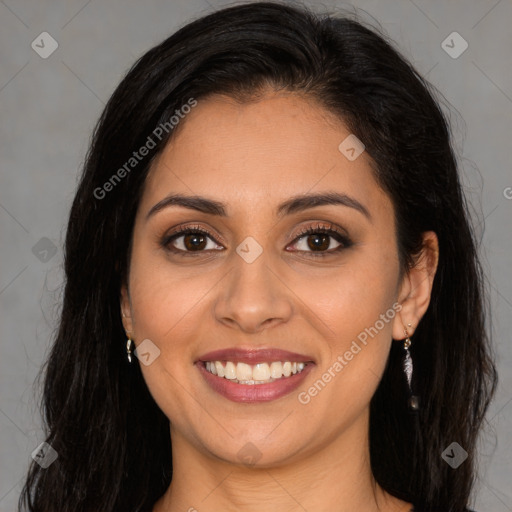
(243,371)
(276,370)
(260,373)
(230,370)
(219,368)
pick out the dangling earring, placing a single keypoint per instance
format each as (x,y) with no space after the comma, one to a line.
(129,349)
(414,400)
(128,343)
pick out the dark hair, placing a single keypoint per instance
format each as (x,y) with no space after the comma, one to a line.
(112,440)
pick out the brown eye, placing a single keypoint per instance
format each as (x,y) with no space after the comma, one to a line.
(194,241)
(317,242)
(320,239)
(189,240)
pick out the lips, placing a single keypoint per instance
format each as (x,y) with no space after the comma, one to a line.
(254,356)
(250,391)
(253,393)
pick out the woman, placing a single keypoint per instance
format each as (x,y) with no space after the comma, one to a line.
(273,297)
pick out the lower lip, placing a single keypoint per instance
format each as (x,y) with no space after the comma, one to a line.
(254,392)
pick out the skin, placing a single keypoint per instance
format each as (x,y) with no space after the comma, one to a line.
(251,157)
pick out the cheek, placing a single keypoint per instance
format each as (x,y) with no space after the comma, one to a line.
(358,303)
(164,311)
(163,295)
(164,304)
(352,297)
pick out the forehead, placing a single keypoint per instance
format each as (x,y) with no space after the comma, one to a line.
(253,155)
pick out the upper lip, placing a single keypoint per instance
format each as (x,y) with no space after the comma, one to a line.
(254,356)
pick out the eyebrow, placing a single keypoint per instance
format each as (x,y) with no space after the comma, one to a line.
(293,205)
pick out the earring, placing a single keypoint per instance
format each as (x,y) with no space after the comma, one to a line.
(414,400)
(129,349)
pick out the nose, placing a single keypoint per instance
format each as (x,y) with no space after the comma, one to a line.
(253,297)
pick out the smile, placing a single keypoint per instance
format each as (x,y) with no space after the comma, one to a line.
(253,386)
(261,373)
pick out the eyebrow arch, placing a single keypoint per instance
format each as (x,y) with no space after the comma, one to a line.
(294,204)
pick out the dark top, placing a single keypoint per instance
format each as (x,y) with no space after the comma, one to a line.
(467,510)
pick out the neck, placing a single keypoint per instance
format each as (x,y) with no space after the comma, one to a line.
(335,477)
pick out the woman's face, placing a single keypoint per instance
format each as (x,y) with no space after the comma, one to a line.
(257,282)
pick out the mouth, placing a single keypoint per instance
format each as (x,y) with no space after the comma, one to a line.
(260,373)
(254,375)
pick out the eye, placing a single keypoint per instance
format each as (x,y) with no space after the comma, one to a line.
(319,239)
(194,239)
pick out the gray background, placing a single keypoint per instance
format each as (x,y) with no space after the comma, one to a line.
(48,108)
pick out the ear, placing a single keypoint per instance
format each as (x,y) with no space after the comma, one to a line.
(126,310)
(416,287)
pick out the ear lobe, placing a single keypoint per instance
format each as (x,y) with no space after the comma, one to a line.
(416,288)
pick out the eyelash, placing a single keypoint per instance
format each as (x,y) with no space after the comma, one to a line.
(343,239)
